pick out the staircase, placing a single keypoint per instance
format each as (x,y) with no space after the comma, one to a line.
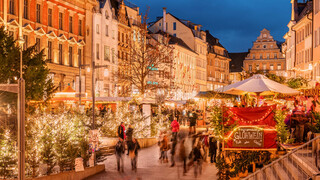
(302,163)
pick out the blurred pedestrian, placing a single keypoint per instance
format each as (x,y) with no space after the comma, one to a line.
(212,149)
(133,154)
(193,116)
(183,156)
(164,147)
(119,151)
(175,127)
(121,132)
(197,159)
(129,137)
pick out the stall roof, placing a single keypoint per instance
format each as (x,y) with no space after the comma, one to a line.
(111,99)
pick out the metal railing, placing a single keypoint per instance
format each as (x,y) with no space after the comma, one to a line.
(301,163)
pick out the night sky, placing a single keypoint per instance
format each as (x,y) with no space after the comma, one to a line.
(237,23)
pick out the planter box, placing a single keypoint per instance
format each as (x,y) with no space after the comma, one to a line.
(72,175)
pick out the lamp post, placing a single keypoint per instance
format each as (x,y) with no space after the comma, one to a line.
(88,70)
(21,105)
(94,66)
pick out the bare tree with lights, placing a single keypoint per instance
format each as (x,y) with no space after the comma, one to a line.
(146,56)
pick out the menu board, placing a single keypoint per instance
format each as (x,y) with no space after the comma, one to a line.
(248,137)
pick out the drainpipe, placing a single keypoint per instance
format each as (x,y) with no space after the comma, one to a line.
(312,72)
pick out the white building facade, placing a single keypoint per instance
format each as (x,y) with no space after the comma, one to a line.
(105,48)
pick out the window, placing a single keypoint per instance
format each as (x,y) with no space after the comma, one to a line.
(60,54)
(25,44)
(97,51)
(174,26)
(70,56)
(175,35)
(122,37)
(257,67)
(38,43)
(49,17)
(50,50)
(25,9)
(80,27)
(260,56)
(264,66)
(113,34)
(107,30)
(279,66)
(11,6)
(38,13)
(70,25)
(60,20)
(79,57)
(159,24)
(106,53)
(97,29)
(271,66)
(264,46)
(250,67)
(253,56)
(275,55)
(268,56)
(113,55)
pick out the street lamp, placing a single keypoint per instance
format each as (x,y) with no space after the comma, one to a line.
(94,66)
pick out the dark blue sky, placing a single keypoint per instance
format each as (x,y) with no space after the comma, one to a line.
(237,23)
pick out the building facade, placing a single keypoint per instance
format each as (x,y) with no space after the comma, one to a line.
(265,55)
(316,39)
(58,27)
(217,64)
(128,21)
(105,48)
(193,36)
(236,71)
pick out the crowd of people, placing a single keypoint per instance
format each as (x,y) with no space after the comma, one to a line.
(189,148)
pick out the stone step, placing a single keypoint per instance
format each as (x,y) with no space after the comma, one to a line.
(270,174)
(280,171)
(304,163)
(292,169)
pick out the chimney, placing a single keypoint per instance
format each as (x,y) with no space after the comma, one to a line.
(164,23)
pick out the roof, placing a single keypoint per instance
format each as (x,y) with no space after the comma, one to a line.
(115,5)
(236,62)
(175,40)
(180,20)
(213,41)
(304,9)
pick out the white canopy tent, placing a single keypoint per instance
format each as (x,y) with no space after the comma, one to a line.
(257,84)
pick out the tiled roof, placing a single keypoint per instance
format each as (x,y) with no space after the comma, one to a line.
(213,41)
(304,9)
(236,62)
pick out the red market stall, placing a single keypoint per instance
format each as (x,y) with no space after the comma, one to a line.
(254,130)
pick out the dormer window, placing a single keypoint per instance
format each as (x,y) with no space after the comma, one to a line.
(107,15)
(264,46)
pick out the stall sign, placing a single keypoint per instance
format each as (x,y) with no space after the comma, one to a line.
(248,137)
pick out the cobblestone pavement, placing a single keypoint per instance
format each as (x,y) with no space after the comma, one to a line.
(149,168)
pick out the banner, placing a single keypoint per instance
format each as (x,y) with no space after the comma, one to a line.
(255,128)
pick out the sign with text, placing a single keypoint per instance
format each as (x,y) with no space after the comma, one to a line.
(248,137)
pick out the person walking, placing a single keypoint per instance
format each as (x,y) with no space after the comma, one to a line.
(129,137)
(175,127)
(193,116)
(119,152)
(173,151)
(197,159)
(121,132)
(133,153)
(164,148)
(212,149)
(183,156)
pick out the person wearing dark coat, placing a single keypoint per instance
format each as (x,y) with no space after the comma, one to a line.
(119,151)
(212,149)
(134,153)
(129,137)
(121,132)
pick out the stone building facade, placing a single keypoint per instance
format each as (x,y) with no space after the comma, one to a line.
(58,27)
(217,64)
(193,36)
(265,55)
